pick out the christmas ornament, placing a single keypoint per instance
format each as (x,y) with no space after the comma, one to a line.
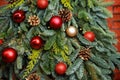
(71,31)
(55,22)
(34,20)
(84,53)
(89,35)
(18,16)
(60,68)
(9,55)
(65,14)
(1,41)
(33,76)
(42,4)
(36,42)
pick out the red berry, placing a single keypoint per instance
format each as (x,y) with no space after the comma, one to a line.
(18,16)
(1,41)
(55,22)
(36,42)
(9,55)
(42,4)
(89,35)
(60,68)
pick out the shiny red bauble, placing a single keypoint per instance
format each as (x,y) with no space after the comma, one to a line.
(18,16)
(36,42)
(89,35)
(55,22)
(42,4)
(60,68)
(1,41)
(9,55)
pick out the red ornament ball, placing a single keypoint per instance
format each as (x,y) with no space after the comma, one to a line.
(18,16)
(36,42)
(55,22)
(60,68)
(1,41)
(42,4)
(89,35)
(9,55)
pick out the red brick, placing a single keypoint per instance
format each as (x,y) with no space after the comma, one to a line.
(116,9)
(116,17)
(116,25)
(3,2)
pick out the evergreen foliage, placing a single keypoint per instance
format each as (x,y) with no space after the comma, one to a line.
(88,15)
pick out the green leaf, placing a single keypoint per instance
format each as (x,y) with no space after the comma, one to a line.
(72,77)
(19,62)
(45,64)
(80,72)
(73,68)
(30,33)
(50,42)
(117,55)
(100,48)
(112,66)
(48,33)
(101,22)
(106,71)
(83,40)
(23,27)
(74,54)
(101,15)
(100,62)
(90,4)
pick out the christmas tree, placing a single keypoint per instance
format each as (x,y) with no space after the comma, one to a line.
(56,40)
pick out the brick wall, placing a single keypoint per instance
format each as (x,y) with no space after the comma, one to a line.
(114,25)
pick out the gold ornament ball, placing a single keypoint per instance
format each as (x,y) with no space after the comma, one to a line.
(71,31)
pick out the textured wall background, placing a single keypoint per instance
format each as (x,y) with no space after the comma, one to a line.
(114,23)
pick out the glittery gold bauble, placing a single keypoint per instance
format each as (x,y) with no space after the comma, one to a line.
(71,31)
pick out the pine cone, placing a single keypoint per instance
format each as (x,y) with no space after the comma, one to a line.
(84,54)
(65,14)
(33,76)
(12,1)
(34,20)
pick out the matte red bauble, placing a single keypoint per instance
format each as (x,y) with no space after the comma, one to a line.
(89,35)
(18,16)
(42,4)
(55,22)
(60,68)
(36,42)
(9,55)
(1,41)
